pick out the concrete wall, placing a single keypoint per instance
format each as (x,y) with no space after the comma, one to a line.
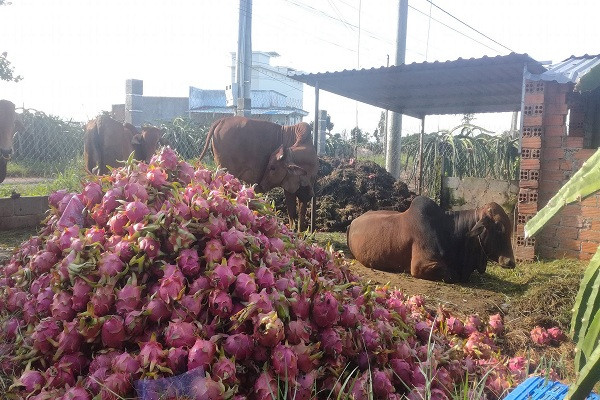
(23,212)
(469,193)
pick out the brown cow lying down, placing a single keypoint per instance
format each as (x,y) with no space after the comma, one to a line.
(430,243)
(269,155)
(8,125)
(108,142)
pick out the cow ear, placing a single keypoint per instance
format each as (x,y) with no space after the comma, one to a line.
(297,170)
(280,153)
(137,139)
(480,226)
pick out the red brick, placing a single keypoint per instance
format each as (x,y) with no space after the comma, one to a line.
(575,221)
(527,208)
(553,120)
(592,212)
(576,142)
(552,175)
(566,166)
(534,98)
(585,256)
(556,107)
(528,184)
(553,141)
(524,253)
(566,253)
(590,201)
(567,233)
(571,209)
(549,164)
(552,154)
(588,234)
(532,142)
(532,120)
(530,163)
(589,247)
(520,230)
(584,154)
(548,241)
(554,131)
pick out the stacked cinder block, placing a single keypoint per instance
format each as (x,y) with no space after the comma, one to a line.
(531,147)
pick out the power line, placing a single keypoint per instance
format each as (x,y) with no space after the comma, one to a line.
(451,28)
(469,26)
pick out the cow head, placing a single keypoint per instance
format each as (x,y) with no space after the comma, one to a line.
(146,143)
(8,125)
(281,171)
(494,229)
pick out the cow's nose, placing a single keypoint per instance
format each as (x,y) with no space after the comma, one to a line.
(506,262)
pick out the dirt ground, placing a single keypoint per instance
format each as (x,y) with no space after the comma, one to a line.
(460,299)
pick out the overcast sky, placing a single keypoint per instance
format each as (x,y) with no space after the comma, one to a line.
(75,55)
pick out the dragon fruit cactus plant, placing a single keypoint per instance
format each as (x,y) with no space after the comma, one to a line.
(168,267)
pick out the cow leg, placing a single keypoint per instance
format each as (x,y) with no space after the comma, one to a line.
(424,265)
(302,216)
(290,203)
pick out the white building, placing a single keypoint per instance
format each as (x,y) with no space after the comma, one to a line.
(274,96)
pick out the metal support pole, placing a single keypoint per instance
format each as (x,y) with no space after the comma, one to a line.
(421,134)
(244,58)
(313,201)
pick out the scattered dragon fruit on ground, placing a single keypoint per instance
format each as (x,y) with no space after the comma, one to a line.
(160,268)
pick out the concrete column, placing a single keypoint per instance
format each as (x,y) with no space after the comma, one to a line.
(134,92)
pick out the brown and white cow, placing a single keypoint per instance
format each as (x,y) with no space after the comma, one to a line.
(432,244)
(108,142)
(270,155)
(8,125)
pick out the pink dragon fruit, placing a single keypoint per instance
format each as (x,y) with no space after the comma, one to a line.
(128,298)
(237,263)
(126,363)
(265,387)
(382,383)
(222,277)
(188,262)
(81,294)
(265,278)
(540,336)
(157,177)
(245,285)
(43,262)
(300,306)
(69,340)
(201,354)
(233,240)
(298,331)
(214,250)
(117,384)
(110,264)
(454,326)
(180,334)
(157,310)
(33,381)
(151,354)
(331,341)
(103,300)
(325,311)
(62,307)
(136,211)
(113,332)
(268,330)
(496,325)
(205,388)
(44,334)
(239,346)
(76,393)
(224,370)
(177,358)
(117,223)
(135,322)
(285,362)
(150,246)
(172,285)
(556,335)
(134,191)
(220,303)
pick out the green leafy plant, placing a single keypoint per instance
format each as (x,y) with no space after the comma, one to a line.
(585,322)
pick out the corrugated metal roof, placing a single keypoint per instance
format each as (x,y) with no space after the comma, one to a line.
(575,67)
(487,84)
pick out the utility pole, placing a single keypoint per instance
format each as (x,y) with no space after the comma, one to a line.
(244,59)
(392,159)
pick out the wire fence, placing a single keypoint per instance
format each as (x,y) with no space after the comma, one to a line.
(48,145)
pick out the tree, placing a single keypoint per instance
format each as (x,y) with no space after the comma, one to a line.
(6,70)
(329,124)
(357,136)
(379,133)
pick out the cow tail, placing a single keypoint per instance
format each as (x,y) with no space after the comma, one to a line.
(95,159)
(208,138)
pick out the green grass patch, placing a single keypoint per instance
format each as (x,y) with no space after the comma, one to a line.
(69,179)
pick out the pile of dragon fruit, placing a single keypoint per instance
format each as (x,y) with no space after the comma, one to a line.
(162,268)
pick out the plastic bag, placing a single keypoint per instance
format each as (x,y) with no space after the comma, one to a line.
(175,387)
(73,214)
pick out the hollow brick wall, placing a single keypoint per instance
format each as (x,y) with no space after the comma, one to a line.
(550,156)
